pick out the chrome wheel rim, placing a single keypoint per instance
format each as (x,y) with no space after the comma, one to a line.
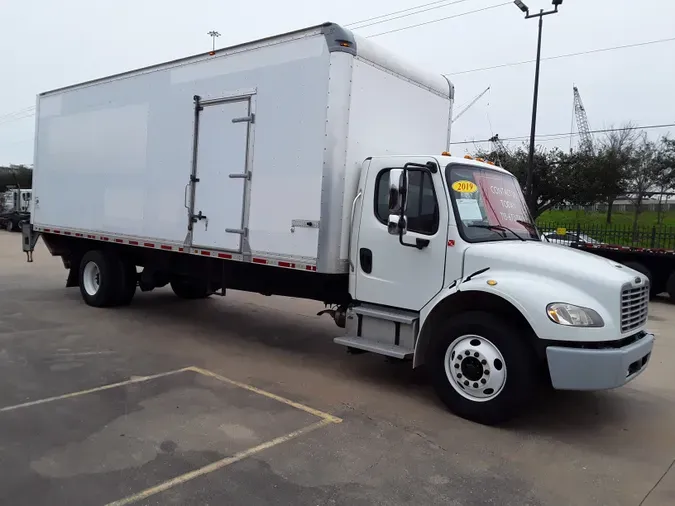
(91,278)
(475,368)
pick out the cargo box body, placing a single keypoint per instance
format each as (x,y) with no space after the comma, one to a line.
(254,151)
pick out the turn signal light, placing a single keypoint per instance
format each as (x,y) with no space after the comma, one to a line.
(468,157)
(446,153)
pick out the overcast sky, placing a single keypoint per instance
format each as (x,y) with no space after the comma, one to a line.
(45,44)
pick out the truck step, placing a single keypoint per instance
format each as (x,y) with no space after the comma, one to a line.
(388,350)
(385,313)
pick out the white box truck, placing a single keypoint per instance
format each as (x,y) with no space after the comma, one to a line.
(312,164)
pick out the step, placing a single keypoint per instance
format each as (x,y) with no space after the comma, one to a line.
(389,350)
(389,314)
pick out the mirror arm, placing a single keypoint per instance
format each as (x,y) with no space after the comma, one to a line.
(419,243)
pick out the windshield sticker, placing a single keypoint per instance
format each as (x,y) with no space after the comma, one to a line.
(464,186)
(469,210)
(504,204)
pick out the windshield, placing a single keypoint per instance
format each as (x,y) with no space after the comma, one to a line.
(489,205)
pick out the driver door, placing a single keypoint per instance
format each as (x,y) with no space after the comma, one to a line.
(388,272)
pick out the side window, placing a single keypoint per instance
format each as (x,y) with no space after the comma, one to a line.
(422,206)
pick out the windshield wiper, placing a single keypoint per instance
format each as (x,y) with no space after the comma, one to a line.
(499,227)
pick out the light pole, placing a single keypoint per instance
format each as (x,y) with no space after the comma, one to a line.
(533,128)
(213,35)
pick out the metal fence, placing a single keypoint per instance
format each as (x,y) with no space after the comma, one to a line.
(570,234)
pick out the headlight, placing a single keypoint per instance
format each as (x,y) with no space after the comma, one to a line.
(574,316)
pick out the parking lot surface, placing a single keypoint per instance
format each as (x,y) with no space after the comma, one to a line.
(246,400)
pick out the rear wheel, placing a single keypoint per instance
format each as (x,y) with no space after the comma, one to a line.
(129,281)
(100,278)
(482,369)
(190,288)
(670,286)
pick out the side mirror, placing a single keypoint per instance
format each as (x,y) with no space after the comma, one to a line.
(398,193)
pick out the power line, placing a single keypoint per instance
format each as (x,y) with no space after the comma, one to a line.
(395,12)
(16,113)
(406,14)
(547,137)
(568,55)
(17,118)
(438,20)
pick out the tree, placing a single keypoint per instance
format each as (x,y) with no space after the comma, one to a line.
(610,166)
(643,174)
(665,160)
(554,180)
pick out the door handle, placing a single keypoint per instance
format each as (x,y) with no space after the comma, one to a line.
(366,260)
(200,216)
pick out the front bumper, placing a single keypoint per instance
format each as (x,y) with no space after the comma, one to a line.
(598,369)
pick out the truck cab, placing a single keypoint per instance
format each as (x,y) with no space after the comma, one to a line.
(447,268)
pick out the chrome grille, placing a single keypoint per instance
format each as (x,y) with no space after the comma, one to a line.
(634,307)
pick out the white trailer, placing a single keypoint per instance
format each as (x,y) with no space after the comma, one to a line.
(309,165)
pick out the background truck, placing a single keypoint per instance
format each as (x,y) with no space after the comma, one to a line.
(649,250)
(308,165)
(15,209)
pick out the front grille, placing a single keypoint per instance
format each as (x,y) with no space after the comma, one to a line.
(634,307)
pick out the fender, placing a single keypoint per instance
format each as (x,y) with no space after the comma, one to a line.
(516,291)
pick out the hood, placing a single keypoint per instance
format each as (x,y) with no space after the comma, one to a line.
(551,261)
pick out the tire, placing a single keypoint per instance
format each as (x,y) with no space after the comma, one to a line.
(493,386)
(654,290)
(670,286)
(190,288)
(129,282)
(100,277)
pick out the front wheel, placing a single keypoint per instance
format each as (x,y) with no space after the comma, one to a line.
(482,369)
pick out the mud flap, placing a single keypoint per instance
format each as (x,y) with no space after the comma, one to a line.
(73,277)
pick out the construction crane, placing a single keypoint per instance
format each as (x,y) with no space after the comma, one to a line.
(586,140)
(459,115)
(498,148)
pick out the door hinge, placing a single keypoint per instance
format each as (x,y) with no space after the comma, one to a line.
(194,179)
(243,175)
(245,119)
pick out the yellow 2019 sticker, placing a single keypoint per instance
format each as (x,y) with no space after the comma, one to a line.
(464,187)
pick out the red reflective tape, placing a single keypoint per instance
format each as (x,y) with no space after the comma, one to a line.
(259,261)
(206,253)
(67,233)
(180,249)
(310,267)
(105,238)
(149,244)
(165,246)
(133,243)
(56,231)
(47,230)
(224,255)
(119,240)
(451,243)
(286,264)
(91,237)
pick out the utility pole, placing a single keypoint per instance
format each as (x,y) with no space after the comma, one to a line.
(533,129)
(213,34)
